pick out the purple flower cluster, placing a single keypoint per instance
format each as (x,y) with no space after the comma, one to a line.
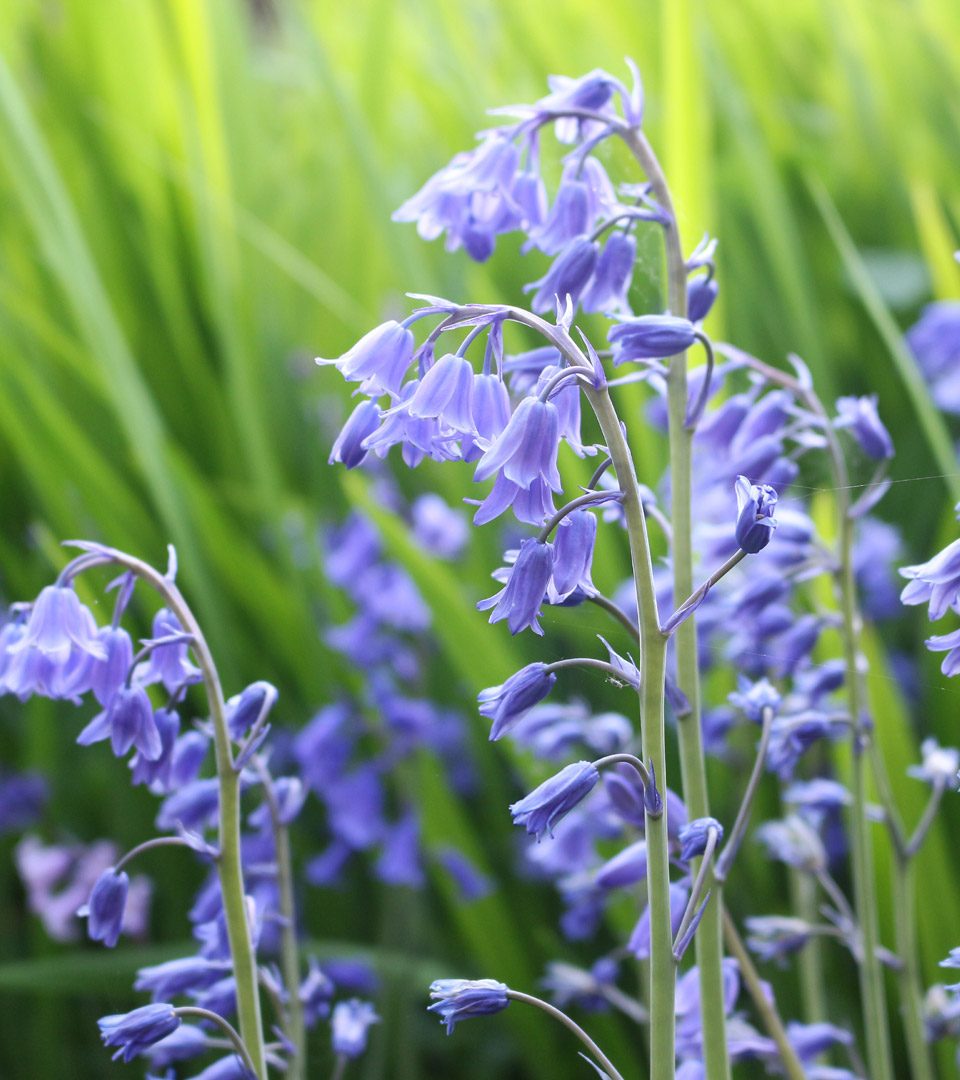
(347,753)
(54,648)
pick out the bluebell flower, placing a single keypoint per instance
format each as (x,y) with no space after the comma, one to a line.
(127,721)
(104,910)
(533,505)
(939,766)
(168,664)
(755,521)
(818,795)
(110,673)
(509,702)
(349,1027)
(612,276)
(244,709)
(754,698)
(627,867)
(702,292)
(459,999)
(445,392)
(794,842)
(228,1068)
(568,276)
(811,1041)
(570,217)
(520,599)
(651,337)
(526,449)
(552,731)
(174,978)
(380,359)
(935,342)
(193,806)
(438,528)
(187,1042)
(935,582)
(590,92)
(573,553)
(220,997)
(860,416)
(473,198)
(774,937)
(693,837)
(350,447)
(52,653)
(491,411)
(135,1031)
(950,644)
(547,804)
(791,737)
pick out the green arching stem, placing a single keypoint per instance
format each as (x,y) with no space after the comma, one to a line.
(225,1026)
(289,947)
(557,1014)
(229,866)
(653,649)
(708,941)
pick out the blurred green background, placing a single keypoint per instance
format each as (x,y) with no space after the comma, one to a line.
(195,200)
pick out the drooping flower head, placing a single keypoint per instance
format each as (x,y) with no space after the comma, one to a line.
(458,999)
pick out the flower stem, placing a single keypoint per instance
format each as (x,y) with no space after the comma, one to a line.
(557,1014)
(653,648)
(864,879)
(735,839)
(761,1002)
(225,1026)
(908,977)
(709,945)
(289,947)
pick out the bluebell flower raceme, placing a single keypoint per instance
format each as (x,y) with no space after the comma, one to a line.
(458,999)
